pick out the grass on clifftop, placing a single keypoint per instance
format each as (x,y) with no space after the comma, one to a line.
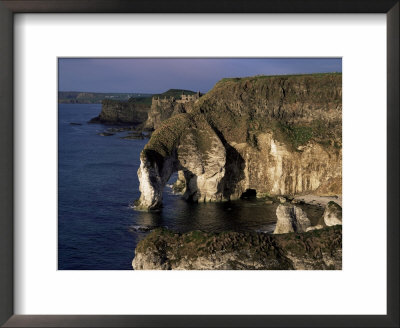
(259,77)
(241,108)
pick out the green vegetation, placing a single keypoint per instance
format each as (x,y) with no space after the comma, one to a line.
(297,135)
(165,138)
(315,242)
(259,77)
(294,107)
(141,100)
(195,236)
(176,93)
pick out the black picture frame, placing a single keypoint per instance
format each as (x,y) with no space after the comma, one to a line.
(10,7)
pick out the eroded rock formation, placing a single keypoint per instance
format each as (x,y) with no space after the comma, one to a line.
(165,250)
(200,155)
(277,135)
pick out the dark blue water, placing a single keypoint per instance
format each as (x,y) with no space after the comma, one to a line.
(97,182)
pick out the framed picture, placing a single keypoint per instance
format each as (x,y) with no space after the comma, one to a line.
(204,152)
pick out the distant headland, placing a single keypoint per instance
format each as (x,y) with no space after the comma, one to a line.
(81,97)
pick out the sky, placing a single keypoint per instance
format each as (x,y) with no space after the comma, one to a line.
(147,75)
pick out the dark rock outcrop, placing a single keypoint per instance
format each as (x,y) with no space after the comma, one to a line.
(122,112)
(165,250)
(134,136)
(106,134)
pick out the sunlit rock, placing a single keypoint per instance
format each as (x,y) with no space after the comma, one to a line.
(291,219)
(278,136)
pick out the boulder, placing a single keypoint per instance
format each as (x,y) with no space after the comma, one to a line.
(291,219)
(316,227)
(281,199)
(333,214)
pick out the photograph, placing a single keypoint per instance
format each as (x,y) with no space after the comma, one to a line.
(199,163)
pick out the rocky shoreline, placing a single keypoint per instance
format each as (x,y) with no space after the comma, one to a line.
(163,249)
(295,244)
(277,138)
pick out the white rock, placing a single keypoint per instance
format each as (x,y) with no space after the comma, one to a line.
(317,227)
(291,219)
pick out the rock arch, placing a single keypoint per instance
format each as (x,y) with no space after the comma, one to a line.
(194,149)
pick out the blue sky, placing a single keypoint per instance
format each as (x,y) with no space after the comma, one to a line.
(158,75)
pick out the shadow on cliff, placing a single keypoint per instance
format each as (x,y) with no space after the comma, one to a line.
(234,167)
(190,194)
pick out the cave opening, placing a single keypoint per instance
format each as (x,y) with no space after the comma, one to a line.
(249,194)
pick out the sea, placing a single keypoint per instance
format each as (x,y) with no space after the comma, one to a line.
(98,229)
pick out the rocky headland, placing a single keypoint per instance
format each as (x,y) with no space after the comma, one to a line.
(166,250)
(134,111)
(147,113)
(271,135)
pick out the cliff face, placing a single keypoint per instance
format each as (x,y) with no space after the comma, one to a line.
(195,250)
(122,112)
(276,135)
(161,110)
